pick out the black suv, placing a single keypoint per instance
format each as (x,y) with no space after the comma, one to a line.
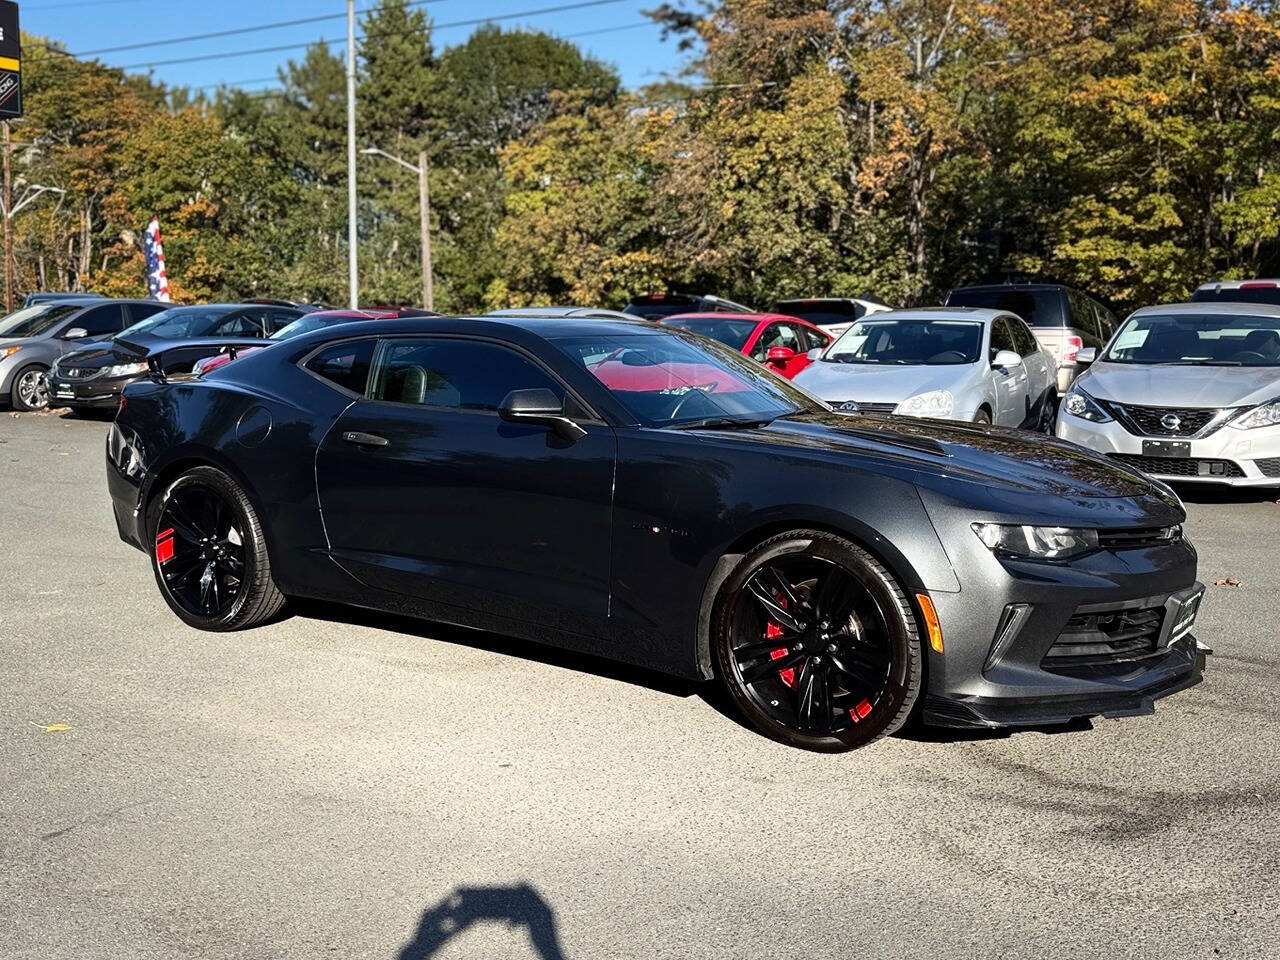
(669,304)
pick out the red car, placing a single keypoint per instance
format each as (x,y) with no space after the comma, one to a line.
(304,324)
(780,342)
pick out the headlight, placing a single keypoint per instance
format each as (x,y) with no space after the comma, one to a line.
(1264,415)
(935,403)
(8,351)
(125,370)
(1080,404)
(1036,543)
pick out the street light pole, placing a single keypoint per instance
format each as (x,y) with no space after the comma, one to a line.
(353,279)
(424,215)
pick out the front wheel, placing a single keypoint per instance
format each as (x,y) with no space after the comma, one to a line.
(817,643)
(209,554)
(30,390)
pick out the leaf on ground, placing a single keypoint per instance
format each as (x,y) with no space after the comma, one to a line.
(52,727)
(14,415)
(1226,582)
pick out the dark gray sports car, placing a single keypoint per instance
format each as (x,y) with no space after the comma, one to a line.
(640,493)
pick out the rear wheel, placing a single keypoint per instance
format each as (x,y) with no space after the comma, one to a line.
(209,554)
(817,643)
(30,390)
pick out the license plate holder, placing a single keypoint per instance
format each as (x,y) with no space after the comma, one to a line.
(64,393)
(1166,448)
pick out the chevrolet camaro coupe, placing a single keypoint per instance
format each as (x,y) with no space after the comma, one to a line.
(641,493)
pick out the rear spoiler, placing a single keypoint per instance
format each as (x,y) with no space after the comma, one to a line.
(197,348)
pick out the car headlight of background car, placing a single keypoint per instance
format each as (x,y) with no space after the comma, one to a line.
(1080,404)
(125,370)
(1036,543)
(934,403)
(1263,415)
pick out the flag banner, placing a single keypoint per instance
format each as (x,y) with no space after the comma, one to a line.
(157,279)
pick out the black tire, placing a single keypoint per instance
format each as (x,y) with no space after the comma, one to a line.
(983,417)
(28,390)
(879,631)
(179,549)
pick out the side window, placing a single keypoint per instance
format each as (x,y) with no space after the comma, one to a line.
(101,320)
(1001,338)
(1082,316)
(140,311)
(813,339)
(239,325)
(345,364)
(280,318)
(1106,321)
(457,374)
(1024,338)
(777,335)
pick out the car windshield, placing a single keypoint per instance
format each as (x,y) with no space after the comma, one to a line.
(673,379)
(1039,308)
(732,333)
(36,319)
(307,323)
(928,342)
(1212,339)
(1260,293)
(178,323)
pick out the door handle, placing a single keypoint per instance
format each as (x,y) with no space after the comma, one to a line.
(365,439)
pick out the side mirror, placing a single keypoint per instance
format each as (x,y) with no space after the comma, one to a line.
(1086,355)
(814,355)
(75,333)
(1005,358)
(780,355)
(539,407)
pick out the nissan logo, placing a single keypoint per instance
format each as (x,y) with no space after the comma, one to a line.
(1171,422)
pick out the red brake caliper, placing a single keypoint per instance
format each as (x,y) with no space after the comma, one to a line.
(164,546)
(771,632)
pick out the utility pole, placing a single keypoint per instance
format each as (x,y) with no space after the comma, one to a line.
(8,235)
(353,279)
(424,215)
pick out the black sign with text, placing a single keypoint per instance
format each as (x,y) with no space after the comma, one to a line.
(10,61)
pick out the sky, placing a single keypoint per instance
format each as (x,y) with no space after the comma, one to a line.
(614,31)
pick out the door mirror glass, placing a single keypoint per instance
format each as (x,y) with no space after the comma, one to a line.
(541,407)
(780,354)
(1006,358)
(814,354)
(75,333)
(1086,355)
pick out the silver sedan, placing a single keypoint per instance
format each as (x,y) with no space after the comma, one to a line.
(954,363)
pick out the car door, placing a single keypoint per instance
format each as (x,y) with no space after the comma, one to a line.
(99,323)
(784,338)
(426,492)
(1039,369)
(811,338)
(1010,382)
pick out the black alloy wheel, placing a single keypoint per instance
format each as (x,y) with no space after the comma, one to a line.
(817,643)
(209,555)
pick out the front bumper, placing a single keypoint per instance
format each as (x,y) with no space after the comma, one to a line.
(1243,458)
(98,392)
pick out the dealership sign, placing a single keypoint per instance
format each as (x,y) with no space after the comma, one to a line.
(10,61)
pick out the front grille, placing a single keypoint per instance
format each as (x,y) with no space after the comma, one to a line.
(1270,467)
(878,409)
(72,372)
(1151,421)
(1138,537)
(1181,466)
(1107,637)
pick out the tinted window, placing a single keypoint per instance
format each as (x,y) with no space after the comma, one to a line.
(777,335)
(1082,315)
(101,321)
(346,364)
(1039,308)
(812,338)
(1023,337)
(140,311)
(821,312)
(462,374)
(237,325)
(178,323)
(278,318)
(1002,338)
(661,306)
(732,333)
(1268,294)
(908,342)
(35,320)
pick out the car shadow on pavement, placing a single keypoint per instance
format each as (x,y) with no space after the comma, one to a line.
(464,907)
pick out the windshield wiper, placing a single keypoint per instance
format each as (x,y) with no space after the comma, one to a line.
(722,423)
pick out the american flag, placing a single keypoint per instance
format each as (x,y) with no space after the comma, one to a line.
(157,280)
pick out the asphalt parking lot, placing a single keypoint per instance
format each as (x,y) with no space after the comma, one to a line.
(339,784)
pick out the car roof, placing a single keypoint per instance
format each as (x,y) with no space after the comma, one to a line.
(720,315)
(1262,283)
(558,311)
(547,327)
(1013,286)
(981,314)
(1211,306)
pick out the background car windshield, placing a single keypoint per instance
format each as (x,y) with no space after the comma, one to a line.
(672,378)
(35,320)
(177,324)
(929,342)
(822,313)
(1210,339)
(1039,308)
(732,333)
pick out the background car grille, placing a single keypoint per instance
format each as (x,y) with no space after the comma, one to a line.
(879,409)
(1107,637)
(1270,466)
(1179,466)
(1145,421)
(72,372)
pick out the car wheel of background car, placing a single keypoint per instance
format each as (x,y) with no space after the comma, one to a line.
(1049,415)
(209,554)
(30,390)
(817,643)
(982,417)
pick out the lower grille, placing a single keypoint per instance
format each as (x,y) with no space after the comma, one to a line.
(1107,637)
(1181,466)
(1270,467)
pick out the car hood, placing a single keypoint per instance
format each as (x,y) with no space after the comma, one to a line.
(874,383)
(98,355)
(1181,385)
(945,453)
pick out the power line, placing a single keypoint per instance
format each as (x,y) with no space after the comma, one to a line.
(592,33)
